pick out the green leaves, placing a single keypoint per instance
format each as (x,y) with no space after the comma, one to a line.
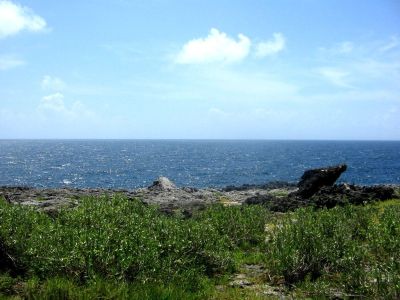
(357,248)
(113,238)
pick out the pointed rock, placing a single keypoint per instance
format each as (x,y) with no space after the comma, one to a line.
(313,180)
(162,184)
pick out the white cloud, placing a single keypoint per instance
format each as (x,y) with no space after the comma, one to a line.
(216,47)
(15,18)
(10,62)
(54,102)
(53,105)
(271,47)
(393,43)
(55,117)
(50,83)
(335,76)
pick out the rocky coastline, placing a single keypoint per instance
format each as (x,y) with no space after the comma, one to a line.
(316,188)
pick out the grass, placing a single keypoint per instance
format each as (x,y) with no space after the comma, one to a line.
(114,248)
(353,250)
(119,240)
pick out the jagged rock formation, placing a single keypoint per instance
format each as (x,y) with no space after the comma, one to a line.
(351,194)
(317,189)
(277,196)
(313,180)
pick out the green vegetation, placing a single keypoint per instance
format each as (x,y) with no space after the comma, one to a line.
(114,248)
(354,250)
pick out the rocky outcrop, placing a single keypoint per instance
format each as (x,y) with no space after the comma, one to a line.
(316,188)
(313,180)
(351,194)
(280,197)
(162,193)
(267,186)
(327,197)
(277,203)
(162,184)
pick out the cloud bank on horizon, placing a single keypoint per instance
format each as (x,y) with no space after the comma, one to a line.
(160,70)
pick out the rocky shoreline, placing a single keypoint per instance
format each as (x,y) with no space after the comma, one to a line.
(316,187)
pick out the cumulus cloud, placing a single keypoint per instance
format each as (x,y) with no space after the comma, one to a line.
(216,47)
(10,62)
(335,76)
(54,102)
(15,18)
(271,47)
(53,105)
(50,83)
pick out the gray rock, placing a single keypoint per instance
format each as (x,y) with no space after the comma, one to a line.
(162,184)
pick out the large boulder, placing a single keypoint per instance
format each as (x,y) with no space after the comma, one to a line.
(351,194)
(162,184)
(313,180)
(276,203)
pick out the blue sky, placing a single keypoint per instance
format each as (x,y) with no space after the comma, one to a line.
(306,69)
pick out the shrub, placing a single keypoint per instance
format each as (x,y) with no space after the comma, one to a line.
(113,238)
(354,248)
(244,226)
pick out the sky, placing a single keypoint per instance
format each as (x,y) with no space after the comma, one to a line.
(200,69)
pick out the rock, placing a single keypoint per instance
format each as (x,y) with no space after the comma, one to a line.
(380,192)
(351,194)
(190,189)
(171,200)
(162,184)
(327,196)
(260,199)
(277,204)
(313,180)
(6,198)
(267,186)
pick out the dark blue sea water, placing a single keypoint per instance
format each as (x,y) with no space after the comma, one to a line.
(136,163)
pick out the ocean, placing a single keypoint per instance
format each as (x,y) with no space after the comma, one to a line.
(129,164)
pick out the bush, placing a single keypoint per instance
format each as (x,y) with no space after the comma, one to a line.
(244,226)
(7,283)
(353,248)
(114,238)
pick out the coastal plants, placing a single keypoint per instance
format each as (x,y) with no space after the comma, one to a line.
(117,248)
(7,283)
(353,249)
(114,238)
(244,226)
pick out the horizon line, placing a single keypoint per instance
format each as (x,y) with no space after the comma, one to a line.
(196,139)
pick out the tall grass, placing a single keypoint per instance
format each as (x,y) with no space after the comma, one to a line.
(124,240)
(353,249)
(116,248)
